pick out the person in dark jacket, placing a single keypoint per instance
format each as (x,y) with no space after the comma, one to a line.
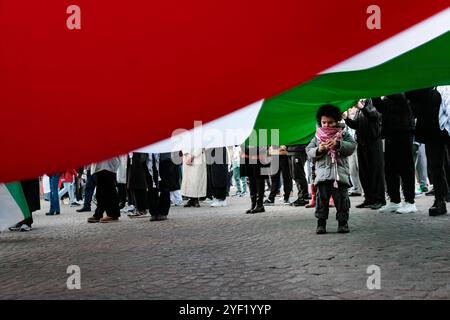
(426,104)
(255,165)
(367,125)
(217,175)
(397,130)
(297,159)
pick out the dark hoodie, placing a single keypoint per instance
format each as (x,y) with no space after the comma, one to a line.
(397,115)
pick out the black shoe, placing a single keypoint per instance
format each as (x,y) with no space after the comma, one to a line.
(430,193)
(299,203)
(439,208)
(258,210)
(321,226)
(251,209)
(364,205)
(354,194)
(56,213)
(50,214)
(84,209)
(343,227)
(376,206)
(269,202)
(321,230)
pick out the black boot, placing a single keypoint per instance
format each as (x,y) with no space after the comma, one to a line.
(259,205)
(439,208)
(253,198)
(321,226)
(343,227)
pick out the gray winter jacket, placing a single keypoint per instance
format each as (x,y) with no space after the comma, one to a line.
(324,168)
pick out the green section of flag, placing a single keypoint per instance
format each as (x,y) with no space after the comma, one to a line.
(293,112)
(16,191)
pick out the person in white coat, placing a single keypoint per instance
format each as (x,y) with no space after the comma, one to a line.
(122,180)
(194,181)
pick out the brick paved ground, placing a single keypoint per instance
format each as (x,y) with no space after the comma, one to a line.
(221,253)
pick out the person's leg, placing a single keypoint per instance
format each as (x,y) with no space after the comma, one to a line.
(237,179)
(421,166)
(54,196)
(122,190)
(89,190)
(405,165)
(253,193)
(342,203)
(71,190)
(140,196)
(435,150)
(322,205)
(298,173)
(275,179)
(354,172)
(100,209)
(391,174)
(287,177)
(64,190)
(111,197)
(375,160)
(365,173)
(244,184)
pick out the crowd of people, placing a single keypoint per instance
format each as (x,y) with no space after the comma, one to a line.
(380,148)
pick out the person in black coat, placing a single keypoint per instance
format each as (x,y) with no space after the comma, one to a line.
(397,130)
(217,174)
(256,166)
(426,104)
(367,125)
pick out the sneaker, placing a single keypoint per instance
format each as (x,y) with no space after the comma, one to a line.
(24,228)
(407,208)
(237,194)
(74,204)
(390,207)
(84,209)
(14,228)
(208,201)
(109,219)
(269,202)
(418,193)
(131,208)
(179,204)
(243,194)
(219,203)
(286,202)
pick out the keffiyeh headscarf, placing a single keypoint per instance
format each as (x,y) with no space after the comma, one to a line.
(323,134)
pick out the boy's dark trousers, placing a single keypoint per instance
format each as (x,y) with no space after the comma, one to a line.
(341,200)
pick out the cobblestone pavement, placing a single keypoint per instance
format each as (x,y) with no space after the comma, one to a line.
(222,253)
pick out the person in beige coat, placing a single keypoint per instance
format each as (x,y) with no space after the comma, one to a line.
(194,181)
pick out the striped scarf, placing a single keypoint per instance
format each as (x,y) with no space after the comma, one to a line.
(323,134)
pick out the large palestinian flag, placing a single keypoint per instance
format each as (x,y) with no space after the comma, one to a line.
(138,70)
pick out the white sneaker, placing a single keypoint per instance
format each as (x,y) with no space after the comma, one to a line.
(207,200)
(390,207)
(24,228)
(407,208)
(219,203)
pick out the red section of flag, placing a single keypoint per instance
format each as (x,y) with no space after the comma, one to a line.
(139,69)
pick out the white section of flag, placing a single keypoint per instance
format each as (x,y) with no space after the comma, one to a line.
(399,44)
(231,129)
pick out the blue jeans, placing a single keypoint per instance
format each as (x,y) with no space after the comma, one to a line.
(68,188)
(54,196)
(89,190)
